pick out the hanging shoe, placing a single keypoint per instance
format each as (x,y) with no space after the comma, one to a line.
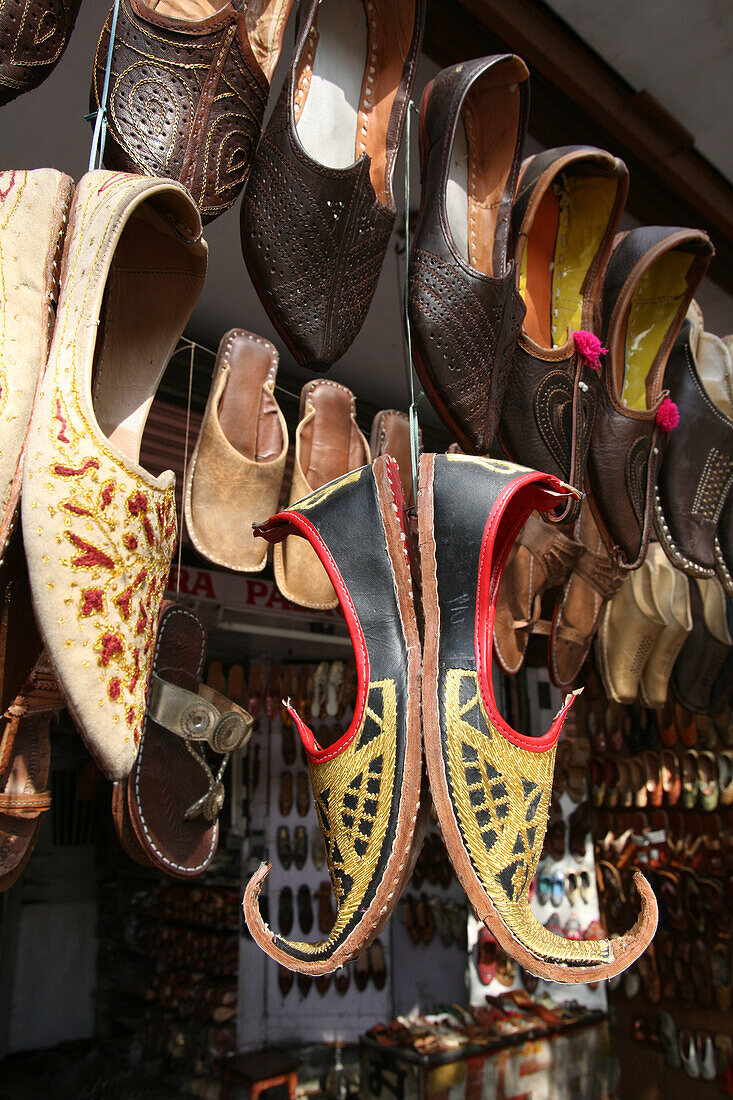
(630,627)
(34,35)
(542,557)
(715,368)
(366,786)
(99,530)
(490,784)
(174,794)
(671,591)
(651,277)
(566,212)
(236,472)
(328,444)
(464,305)
(593,581)
(319,208)
(188,88)
(697,472)
(34,209)
(391,436)
(701,675)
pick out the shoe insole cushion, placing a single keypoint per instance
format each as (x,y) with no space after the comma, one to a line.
(248,413)
(563,241)
(349,73)
(153,283)
(655,303)
(715,367)
(188,10)
(478,204)
(330,443)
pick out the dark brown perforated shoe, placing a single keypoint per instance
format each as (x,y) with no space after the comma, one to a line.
(187,96)
(567,209)
(319,208)
(33,36)
(464,305)
(651,278)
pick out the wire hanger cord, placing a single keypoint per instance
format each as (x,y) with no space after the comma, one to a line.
(99,116)
(185,466)
(412,412)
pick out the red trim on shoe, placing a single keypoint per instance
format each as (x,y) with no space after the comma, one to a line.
(543,492)
(275,530)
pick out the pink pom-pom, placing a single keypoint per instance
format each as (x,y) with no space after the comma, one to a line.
(589,347)
(668,415)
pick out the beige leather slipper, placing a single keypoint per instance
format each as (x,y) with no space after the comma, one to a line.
(671,590)
(99,530)
(236,472)
(328,444)
(631,624)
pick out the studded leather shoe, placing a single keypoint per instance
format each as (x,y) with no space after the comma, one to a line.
(319,207)
(366,785)
(568,205)
(33,36)
(188,89)
(464,306)
(98,529)
(491,785)
(651,277)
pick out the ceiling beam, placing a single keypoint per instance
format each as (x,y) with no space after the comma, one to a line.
(578,99)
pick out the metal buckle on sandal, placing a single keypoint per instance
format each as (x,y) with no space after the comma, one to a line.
(194,719)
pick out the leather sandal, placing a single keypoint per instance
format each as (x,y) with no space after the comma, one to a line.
(491,784)
(542,558)
(592,582)
(319,206)
(328,444)
(366,785)
(566,211)
(464,303)
(25,759)
(236,472)
(34,34)
(175,792)
(98,529)
(188,89)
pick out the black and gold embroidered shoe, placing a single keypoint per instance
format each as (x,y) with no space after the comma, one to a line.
(490,784)
(366,785)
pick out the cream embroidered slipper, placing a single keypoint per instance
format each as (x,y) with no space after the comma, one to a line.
(491,785)
(34,208)
(328,443)
(237,468)
(366,783)
(99,530)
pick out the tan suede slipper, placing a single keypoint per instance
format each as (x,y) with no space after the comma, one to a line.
(631,624)
(237,468)
(328,444)
(99,530)
(671,590)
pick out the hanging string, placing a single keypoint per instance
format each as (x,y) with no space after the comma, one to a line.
(412,412)
(185,464)
(99,116)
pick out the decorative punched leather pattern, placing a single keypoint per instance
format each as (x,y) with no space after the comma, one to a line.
(553,407)
(317,250)
(185,106)
(712,488)
(637,469)
(33,36)
(353,795)
(501,795)
(457,323)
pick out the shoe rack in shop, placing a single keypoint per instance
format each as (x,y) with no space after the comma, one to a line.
(564,896)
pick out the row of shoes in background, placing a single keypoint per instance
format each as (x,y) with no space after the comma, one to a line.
(701,1054)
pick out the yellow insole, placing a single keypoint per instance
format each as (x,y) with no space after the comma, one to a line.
(583,206)
(654,305)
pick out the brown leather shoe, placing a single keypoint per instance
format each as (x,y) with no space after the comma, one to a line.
(592,582)
(188,90)
(33,36)
(391,436)
(542,558)
(236,472)
(328,444)
(651,277)
(568,205)
(464,305)
(701,677)
(319,209)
